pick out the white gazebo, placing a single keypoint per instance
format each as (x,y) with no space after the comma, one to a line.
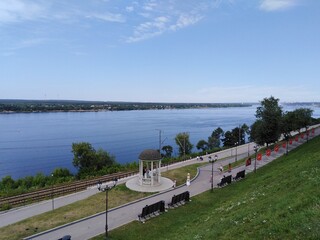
(149,168)
(149,178)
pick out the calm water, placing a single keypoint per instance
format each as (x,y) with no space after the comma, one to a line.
(40,142)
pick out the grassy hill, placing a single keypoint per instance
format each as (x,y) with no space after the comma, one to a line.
(280,201)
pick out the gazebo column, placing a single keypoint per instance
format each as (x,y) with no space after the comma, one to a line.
(152,173)
(159,172)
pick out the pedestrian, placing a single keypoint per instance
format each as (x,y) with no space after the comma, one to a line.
(174,183)
(188,180)
(188,183)
(229,167)
(197,158)
(221,168)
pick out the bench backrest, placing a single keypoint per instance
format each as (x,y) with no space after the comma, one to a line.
(240,174)
(185,196)
(228,179)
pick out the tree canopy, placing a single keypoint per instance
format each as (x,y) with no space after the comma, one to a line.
(183,141)
(214,140)
(88,160)
(168,150)
(267,127)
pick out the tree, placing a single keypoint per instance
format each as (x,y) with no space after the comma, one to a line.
(229,139)
(302,118)
(203,145)
(287,126)
(88,160)
(236,136)
(185,146)
(215,138)
(267,128)
(7,183)
(168,150)
(258,132)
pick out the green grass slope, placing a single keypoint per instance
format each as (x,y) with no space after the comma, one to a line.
(280,201)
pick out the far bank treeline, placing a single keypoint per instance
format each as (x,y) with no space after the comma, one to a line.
(271,122)
(28,106)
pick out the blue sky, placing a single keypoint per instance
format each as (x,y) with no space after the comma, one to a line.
(160,51)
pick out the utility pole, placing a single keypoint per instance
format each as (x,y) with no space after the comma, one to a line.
(159,139)
(239,135)
(184,147)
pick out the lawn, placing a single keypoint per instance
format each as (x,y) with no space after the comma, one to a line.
(280,201)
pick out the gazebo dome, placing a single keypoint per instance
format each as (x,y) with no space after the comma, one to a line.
(150,154)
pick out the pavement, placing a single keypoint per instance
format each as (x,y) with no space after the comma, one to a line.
(94,225)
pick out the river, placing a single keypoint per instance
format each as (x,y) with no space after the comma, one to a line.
(40,142)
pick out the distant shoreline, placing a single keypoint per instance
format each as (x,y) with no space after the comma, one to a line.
(50,106)
(38,106)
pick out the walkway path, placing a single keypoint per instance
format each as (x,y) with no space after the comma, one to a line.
(94,225)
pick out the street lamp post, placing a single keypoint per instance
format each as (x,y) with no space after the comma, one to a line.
(212,161)
(106,189)
(52,193)
(255,161)
(236,151)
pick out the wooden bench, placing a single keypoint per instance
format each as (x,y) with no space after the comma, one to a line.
(240,175)
(225,181)
(179,199)
(151,210)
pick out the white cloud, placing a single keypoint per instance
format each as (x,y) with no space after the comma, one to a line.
(185,21)
(18,10)
(275,5)
(150,6)
(109,17)
(149,29)
(161,25)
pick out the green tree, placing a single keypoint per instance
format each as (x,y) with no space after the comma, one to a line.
(83,155)
(303,118)
(104,159)
(203,145)
(7,183)
(185,146)
(215,139)
(267,128)
(168,150)
(88,160)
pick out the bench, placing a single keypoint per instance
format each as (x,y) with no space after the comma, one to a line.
(225,181)
(240,175)
(151,210)
(179,199)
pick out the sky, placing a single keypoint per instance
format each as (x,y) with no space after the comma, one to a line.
(195,51)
